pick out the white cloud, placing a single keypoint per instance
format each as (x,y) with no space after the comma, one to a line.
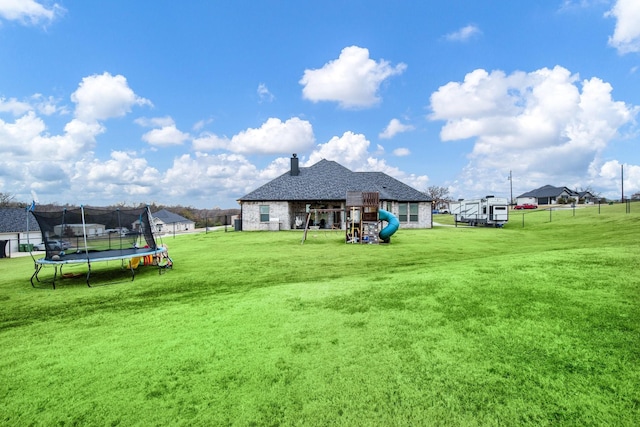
(210,142)
(609,175)
(200,124)
(264,94)
(17,137)
(351,150)
(401,152)
(570,5)
(232,175)
(154,121)
(26,139)
(393,128)
(47,105)
(103,96)
(165,136)
(166,133)
(123,177)
(63,168)
(58,164)
(626,36)
(540,124)
(29,12)
(352,80)
(464,33)
(37,102)
(14,106)
(273,137)
(81,134)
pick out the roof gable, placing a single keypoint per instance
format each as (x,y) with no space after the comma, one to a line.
(328,180)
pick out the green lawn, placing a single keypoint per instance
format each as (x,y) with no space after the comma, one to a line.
(534,325)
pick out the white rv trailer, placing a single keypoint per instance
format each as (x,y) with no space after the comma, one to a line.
(488,211)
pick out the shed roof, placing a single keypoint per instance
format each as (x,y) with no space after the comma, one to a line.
(14,220)
(547,191)
(328,180)
(169,217)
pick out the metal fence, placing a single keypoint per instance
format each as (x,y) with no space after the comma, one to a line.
(559,212)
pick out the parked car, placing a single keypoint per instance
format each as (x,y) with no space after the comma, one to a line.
(56,245)
(526,206)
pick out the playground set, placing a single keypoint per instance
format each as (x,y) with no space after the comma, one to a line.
(363,222)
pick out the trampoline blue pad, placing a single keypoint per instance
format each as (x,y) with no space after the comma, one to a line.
(97,256)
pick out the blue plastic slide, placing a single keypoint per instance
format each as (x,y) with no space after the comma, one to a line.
(392,224)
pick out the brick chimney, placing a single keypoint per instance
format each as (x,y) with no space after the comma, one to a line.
(295,169)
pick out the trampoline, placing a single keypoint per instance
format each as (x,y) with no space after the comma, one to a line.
(90,235)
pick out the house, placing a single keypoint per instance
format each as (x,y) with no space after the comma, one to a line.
(168,222)
(79,229)
(282,204)
(14,232)
(550,195)
(587,198)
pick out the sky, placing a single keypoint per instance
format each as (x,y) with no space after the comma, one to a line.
(197,103)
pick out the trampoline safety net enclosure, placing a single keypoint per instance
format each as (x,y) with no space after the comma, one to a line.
(86,235)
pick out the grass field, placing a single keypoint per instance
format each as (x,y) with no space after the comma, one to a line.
(536,324)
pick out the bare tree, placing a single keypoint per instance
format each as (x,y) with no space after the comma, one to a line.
(596,195)
(439,195)
(6,199)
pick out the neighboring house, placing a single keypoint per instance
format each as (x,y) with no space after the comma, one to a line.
(79,230)
(550,195)
(13,230)
(587,198)
(284,202)
(167,221)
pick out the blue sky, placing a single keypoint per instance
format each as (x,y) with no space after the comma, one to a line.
(199,102)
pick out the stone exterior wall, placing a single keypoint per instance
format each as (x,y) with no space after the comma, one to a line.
(424,215)
(285,213)
(277,210)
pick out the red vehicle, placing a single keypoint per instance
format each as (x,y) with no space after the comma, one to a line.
(526,206)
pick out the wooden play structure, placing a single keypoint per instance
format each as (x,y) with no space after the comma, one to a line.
(362,219)
(362,224)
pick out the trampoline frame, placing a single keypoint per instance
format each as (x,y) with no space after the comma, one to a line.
(89,257)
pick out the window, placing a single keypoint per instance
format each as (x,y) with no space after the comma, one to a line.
(413,212)
(402,211)
(264,213)
(408,212)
